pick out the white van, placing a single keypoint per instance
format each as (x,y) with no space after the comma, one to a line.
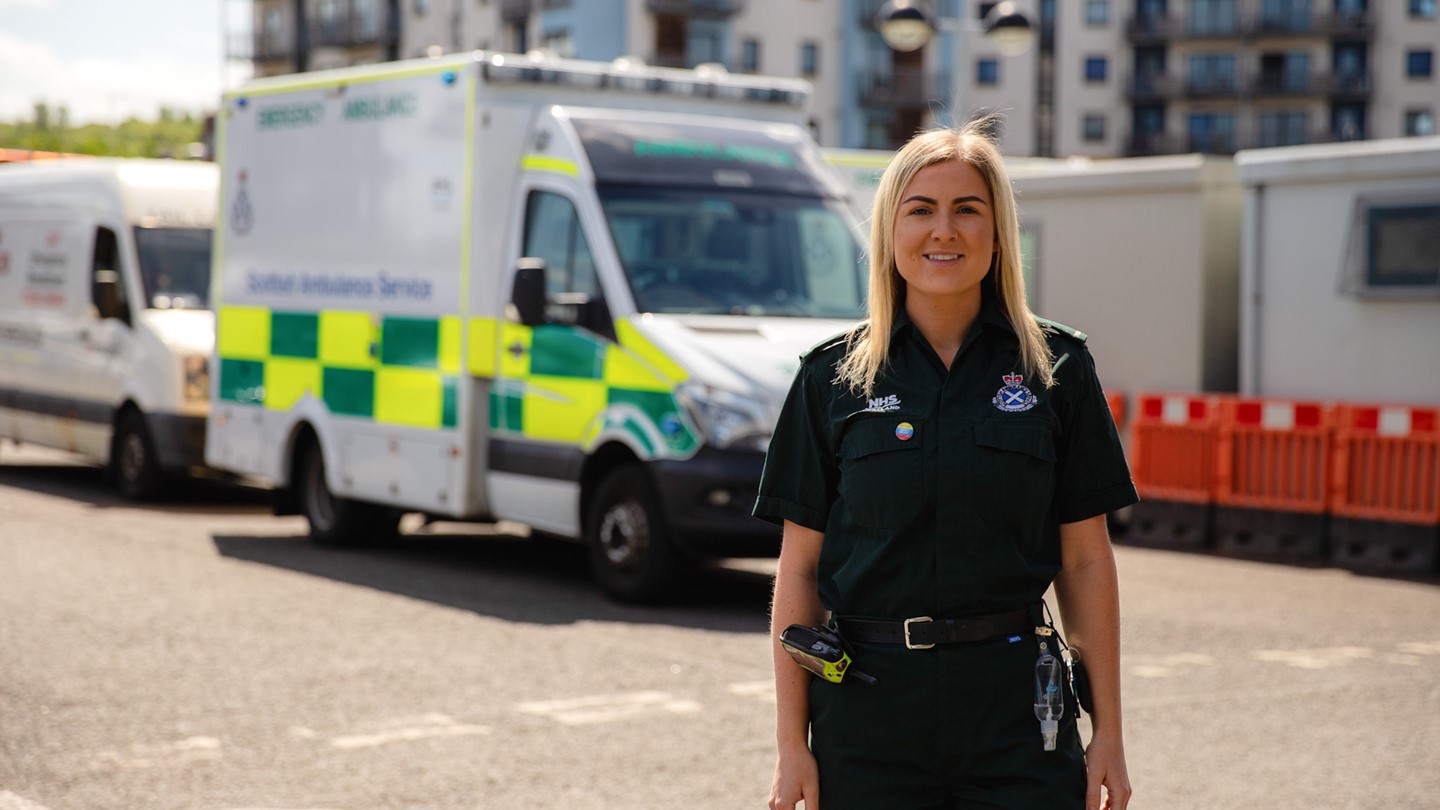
(562,293)
(105,328)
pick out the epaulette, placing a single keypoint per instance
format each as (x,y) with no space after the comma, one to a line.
(828,343)
(1055,328)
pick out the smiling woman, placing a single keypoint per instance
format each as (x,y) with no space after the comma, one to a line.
(936,469)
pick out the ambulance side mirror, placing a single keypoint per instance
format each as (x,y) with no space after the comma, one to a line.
(528,294)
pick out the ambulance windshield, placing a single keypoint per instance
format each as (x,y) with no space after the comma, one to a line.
(736,253)
(175,267)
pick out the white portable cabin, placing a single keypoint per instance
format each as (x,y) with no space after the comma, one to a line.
(1341,271)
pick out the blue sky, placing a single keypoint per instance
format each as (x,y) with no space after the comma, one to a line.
(110,59)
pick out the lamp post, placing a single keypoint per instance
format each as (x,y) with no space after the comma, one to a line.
(907,25)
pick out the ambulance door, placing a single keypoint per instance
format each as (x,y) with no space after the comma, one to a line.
(550,387)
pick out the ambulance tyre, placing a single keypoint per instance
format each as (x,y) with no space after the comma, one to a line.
(134,464)
(336,521)
(630,549)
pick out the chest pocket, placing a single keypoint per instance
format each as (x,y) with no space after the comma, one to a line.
(880,475)
(1017,461)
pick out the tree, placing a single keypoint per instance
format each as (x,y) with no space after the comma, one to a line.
(50,130)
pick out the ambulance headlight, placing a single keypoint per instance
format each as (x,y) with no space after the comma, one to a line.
(195,376)
(729,421)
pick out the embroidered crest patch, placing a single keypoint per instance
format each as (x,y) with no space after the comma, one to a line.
(1014,396)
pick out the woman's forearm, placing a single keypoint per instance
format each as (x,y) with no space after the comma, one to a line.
(796,601)
(1088,591)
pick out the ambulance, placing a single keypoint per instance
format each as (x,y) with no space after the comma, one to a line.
(105,328)
(489,287)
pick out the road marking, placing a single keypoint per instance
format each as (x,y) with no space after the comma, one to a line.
(1320,658)
(426,727)
(141,756)
(608,708)
(760,690)
(1170,665)
(10,801)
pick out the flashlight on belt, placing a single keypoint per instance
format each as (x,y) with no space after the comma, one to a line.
(822,651)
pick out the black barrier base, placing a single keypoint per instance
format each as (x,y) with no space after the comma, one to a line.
(1169,524)
(1371,546)
(1289,537)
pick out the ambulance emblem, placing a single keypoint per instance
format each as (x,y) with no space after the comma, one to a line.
(1014,396)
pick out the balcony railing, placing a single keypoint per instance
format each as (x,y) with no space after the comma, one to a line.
(512,10)
(348,31)
(1310,85)
(898,89)
(1221,87)
(273,47)
(1149,87)
(709,9)
(1157,29)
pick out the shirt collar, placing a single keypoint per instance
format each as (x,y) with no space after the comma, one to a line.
(991,316)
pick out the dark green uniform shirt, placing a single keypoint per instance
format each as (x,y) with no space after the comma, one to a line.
(942,493)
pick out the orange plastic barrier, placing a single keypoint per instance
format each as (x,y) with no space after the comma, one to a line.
(1172,447)
(1273,454)
(1116,401)
(1387,463)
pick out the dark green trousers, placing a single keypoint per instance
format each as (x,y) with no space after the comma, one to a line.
(947,728)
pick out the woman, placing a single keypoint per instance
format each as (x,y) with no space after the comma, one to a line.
(935,470)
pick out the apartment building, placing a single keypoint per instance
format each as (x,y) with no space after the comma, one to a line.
(1103,78)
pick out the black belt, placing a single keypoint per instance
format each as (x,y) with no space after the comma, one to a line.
(923,632)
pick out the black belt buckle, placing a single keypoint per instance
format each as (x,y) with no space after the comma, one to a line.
(909,645)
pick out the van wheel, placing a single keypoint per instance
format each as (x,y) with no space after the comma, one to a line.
(630,549)
(336,521)
(134,465)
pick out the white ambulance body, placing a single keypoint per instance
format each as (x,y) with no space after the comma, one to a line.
(566,294)
(105,331)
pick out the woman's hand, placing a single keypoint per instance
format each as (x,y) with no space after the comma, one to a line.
(796,780)
(1105,766)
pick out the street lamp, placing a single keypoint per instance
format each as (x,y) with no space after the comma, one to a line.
(906,25)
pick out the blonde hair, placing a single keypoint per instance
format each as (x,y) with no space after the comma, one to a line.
(867,346)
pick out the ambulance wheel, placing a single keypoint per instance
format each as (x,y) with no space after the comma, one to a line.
(630,549)
(134,464)
(336,521)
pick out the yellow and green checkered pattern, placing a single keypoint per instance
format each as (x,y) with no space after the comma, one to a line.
(394,370)
(568,385)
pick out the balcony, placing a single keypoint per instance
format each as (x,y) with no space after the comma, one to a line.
(1212,87)
(1347,26)
(1145,144)
(273,47)
(699,9)
(348,31)
(1334,86)
(1145,29)
(1150,88)
(516,10)
(899,89)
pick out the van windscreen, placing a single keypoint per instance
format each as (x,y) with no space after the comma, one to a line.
(174,267)
(712,251)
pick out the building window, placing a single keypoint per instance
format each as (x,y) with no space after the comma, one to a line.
(809,59)
(750,56)
(1284,128)
(1420,122)
(367,22)
(1097,12)
(987,71)
(422,7)
(1419,63)
(1212,133)
(1393,247)
(1213,17)
(1095,69)
(1093,127)
(1212,73)
(1424,9)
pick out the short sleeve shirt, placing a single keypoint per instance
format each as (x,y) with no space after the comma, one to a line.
(942,493)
